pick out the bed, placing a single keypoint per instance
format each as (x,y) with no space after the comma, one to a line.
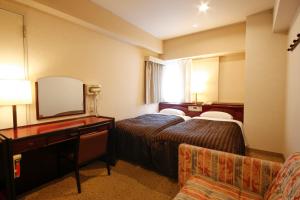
(219,135)
(224,134)
(133,136)
(152,140)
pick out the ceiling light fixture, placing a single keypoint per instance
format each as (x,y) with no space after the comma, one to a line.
(203,7)
(195,25)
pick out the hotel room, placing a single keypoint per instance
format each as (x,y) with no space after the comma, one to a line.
(136,99)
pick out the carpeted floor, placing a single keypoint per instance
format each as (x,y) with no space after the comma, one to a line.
(127,181)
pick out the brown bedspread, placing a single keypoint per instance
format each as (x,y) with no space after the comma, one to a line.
(223,136)
(133,136)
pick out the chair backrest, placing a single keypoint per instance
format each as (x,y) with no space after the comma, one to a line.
(250,174)
(286,185)
(92,145)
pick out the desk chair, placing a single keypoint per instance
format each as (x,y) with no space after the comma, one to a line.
(90,146)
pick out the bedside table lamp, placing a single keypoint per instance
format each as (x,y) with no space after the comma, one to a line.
(198,89)
(15,92)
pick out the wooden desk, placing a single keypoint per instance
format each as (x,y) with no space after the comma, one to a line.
(26,140)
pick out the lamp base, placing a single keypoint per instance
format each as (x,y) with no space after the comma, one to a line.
(15,122)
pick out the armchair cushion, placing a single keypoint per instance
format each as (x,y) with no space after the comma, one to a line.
(201,187)
(245,195)
(286,185)
(205,188)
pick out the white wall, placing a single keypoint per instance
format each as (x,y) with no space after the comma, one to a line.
(232,78)
(292,130)
(11,61)
(204,79)
(97,18)
(60,48)
(265,77)
(225,40)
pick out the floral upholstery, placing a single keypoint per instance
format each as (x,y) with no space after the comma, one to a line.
(205,188)
(287,183)
(244,195)
(251,175)
(201,187)
(211,174)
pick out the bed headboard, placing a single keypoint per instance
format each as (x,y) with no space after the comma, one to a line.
(180,106)
(236,110)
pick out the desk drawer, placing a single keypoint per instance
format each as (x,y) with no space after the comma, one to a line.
(28,144)
(96,128)
(54,139)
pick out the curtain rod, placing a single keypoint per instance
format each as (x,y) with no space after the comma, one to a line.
(155,60)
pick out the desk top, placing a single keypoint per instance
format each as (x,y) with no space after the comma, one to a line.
(39,129)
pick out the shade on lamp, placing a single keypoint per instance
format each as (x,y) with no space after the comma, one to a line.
(198,89)
(15,92)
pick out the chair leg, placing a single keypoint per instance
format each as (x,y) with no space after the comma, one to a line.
(108,165)
(77,176)
(58,164)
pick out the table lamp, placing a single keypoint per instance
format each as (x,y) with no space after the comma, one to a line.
(198,89)
(13,93)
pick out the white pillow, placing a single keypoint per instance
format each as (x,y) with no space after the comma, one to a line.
(172,111)
(217,114)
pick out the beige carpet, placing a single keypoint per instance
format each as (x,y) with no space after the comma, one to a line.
(127,181)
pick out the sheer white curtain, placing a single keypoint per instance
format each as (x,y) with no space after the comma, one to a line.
(153,82)
(186,64)
(176,81)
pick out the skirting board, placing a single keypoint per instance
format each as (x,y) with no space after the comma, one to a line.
(267,155)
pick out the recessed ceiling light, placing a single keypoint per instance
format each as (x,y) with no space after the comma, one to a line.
(203,7)
(195,25)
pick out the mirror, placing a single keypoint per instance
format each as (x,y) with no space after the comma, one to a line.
(59,96)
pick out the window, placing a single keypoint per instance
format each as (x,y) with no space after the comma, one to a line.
(173,82)
(190,80)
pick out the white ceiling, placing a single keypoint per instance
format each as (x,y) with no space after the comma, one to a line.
(171,18)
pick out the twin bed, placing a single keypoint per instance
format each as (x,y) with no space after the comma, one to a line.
(153,139)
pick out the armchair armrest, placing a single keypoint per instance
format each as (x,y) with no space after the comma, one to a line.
(251,174)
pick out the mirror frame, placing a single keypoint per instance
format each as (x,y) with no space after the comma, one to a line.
(60,115)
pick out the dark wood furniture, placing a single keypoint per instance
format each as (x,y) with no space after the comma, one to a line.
(188,108)
(6,169)
(90,146)
(235,109)
(45,138)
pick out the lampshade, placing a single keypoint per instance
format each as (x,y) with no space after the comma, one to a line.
(200,88)
(199,81)
(15,92)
